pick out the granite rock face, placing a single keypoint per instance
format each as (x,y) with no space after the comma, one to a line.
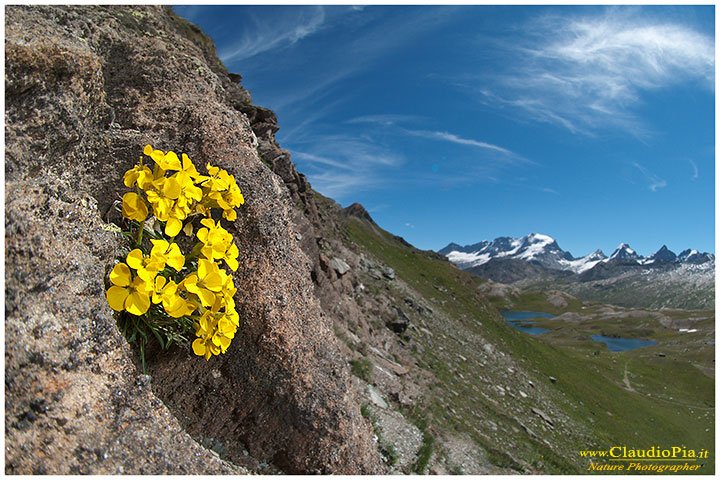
(86,89)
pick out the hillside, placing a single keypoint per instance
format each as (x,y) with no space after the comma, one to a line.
(357,353)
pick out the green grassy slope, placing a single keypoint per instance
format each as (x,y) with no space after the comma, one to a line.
(668,402)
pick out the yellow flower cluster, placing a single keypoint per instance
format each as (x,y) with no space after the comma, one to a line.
(175,197)
(193,287)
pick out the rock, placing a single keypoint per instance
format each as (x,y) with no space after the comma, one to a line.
(557,299)
(76,401)
(389,273)
(284,393)
(376,397)
(398,323)
(404,437)
(358,211)
(339,266)
(394,367)
(553,379)
(543,415)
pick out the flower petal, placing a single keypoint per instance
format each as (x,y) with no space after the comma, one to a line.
(173,227)
(134,259)
(120,275)
(137,303)
(206,297)
(198,347)
(116,298)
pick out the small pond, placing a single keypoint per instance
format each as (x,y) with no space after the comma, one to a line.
(521,321)
(615,344)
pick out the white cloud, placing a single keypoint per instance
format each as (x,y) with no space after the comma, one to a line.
(269,32)
(654,182)
(385,119)
(333,63)
(589,73)
(341,165)
(452,138)
(696,173)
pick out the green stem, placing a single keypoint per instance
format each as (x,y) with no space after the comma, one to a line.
(142,356)
(140,234)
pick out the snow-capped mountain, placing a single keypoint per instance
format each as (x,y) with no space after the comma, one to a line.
(543,250)
(695,257)
(664,255)
(626,278)
(536,248)
(585,263)
(623,253)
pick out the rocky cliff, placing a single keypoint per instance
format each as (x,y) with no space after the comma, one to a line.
(86,88)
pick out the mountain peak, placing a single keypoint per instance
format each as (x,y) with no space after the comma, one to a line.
(358,211)
(624,252)
(534,247)
(540,237)
(664,255)
(694,256)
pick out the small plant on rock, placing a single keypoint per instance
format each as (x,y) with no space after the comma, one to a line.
(159,290)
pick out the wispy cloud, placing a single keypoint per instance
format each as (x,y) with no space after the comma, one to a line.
(267,32)
(696,173)
(452,138)
(589,73)
(654,182)
(341,165)
(385,119)
(365,40)
(393,120)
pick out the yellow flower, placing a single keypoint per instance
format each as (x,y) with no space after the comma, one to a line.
(227,294)
(166,161)
(215,331)
(167,292)
(225,333)
(208,281)
(140,175)
(215,239)
(146,267)
(167,253)
(205,330)
(127,293)
(189,168)
(217,243)
(163,196)
(233,198)
(134,207)
(222,191)
(189,193)
(218,180)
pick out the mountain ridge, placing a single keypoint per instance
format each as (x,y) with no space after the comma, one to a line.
(626,278)
(544,250)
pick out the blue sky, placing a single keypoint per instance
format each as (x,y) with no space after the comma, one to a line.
(591,124)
